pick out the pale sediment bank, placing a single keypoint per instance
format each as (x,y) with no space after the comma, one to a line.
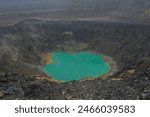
(50,79)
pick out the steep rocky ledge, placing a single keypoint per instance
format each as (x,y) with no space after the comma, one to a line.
(23,44)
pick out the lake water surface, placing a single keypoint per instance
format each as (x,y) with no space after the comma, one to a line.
(74,66)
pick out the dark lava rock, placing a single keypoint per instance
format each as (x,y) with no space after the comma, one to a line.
(1,94)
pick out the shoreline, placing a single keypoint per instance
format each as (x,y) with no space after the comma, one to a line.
(47,59)
(112,65)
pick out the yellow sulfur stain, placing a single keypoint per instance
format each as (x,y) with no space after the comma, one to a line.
(46,58)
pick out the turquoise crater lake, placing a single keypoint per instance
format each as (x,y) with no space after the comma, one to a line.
(74,66)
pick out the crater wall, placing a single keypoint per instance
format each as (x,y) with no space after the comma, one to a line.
(22,44)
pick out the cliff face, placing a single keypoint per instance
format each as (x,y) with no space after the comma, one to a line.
(22,44)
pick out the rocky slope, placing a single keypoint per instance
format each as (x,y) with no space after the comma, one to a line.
(22,44)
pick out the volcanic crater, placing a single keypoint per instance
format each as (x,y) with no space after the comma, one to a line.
(25,48)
